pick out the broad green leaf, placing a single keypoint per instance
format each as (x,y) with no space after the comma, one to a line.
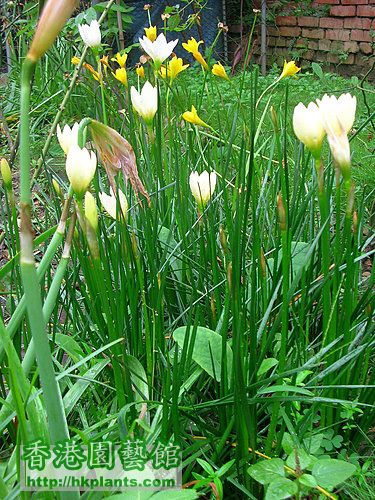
(305,460)
(207,350)
(285,388)
(281,488)
(267,470)
(266,365)
(169,244)
(299,252)
(308,480)
(331,472)
(313,443)
(317,69)
(287,443)
(72,397)
(138,377)
(70,346)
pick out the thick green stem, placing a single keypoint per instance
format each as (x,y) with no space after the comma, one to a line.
(53,401)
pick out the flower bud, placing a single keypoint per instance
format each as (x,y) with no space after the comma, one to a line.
(145,102)
(80,169)
(202,187)
(90,34)
(308,127)
(67,137)
(57,188)
(91,211)
(281,212)
(6,174)
(54,15)
(109,203)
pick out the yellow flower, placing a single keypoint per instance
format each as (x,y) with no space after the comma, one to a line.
(140,71)
(192,117)
(192,45)
(75,60)
(121,76)
(120,59)
(219,70)
(163,72)
(290,69)
(175,66)
(104,61)
(94,73)
(151,33)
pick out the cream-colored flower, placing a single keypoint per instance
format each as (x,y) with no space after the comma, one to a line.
(91,210)
(109,203)
(145,102)
(338,117)
(67,137)
(202,187)
(158,50)
(90,34)
(308,127)
(80,169)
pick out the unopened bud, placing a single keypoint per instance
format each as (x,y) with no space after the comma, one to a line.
(54,15)
(213,307)
(91,211)
(223,239)
(274,119)
(355,221)
(281,212)
(57,188)
(134,246)
(6,174)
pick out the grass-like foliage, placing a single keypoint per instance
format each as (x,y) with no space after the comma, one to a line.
(231,312)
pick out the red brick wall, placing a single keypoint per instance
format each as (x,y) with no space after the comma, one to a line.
(342,41)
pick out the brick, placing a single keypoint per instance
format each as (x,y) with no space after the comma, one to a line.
(337,46)
(271,31)
(333,58)
(289,31)
(360,36)
(343,35)
(348,60)
(343,11)
(324,44)
(301,42)
(313,44)
(361,23)
(271,41)
(331,22)
(354,2)
(365,48)
(366,10)
(309,55)
(321,56)
(351,47)
(280,42)
(286,21)
(312,22)
(360,60)
(317,33)
(330,2)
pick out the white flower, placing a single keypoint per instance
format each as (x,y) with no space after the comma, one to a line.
(145,102)
(338,117)
(308,127)
(90,34)
(80,169)
(109,203)
(68,137)
(202,186)
(158,50)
